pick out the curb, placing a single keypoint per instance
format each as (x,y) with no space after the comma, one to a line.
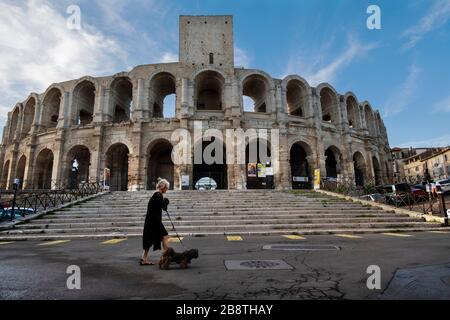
(50,211)
(427,217)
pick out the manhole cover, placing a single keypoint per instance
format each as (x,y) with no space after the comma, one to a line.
(257,265)
(300,247)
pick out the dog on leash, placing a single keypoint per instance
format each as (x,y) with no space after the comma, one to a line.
(183,259)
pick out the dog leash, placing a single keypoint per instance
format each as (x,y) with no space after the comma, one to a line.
(173,226)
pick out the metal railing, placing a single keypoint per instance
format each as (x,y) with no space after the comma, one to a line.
(405,195)
(26,202)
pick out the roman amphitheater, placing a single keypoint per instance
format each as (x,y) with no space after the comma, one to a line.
(117,126)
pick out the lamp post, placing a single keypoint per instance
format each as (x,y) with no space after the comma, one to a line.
(15,188)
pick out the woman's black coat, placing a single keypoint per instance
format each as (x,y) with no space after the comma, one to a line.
(154,230)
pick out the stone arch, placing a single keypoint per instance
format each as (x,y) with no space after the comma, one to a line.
(163,85)
(51,108)
(28,115)
(370,120)
(377,171)
(77,164)
(117,158)
(43,169)
(159,163)
(257,88)
(20,171)
(297,96)
(83,102)
(5,175)
(333,162)
(257,151)
(353,116)
(121,99)
(15,117)
(329,103)
(209,90)
(301,162)
(360,167)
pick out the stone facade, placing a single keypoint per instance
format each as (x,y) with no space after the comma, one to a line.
(118,122)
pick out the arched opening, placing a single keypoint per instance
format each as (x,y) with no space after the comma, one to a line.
(20,171)
(353,113)
(5,174)
(300,168)
(332,162)
(122,100)
(117,163)
(377,171)
(51,106)
(44,170)
(163,91)
(78,163)
(84,100)
(297,98)
(14,124)
(257,159)
(213,166)
(370,121)
(160,164)
(209,88)
(329,105)
(28,116)
(388,172)
(255,89)
(359,165)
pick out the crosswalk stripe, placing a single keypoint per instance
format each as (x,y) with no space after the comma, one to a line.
(113,241)
(440,232)
(176,240)
(401,235)
(294,237)
(4,243)
(234,238)
(349,236)
(51,243)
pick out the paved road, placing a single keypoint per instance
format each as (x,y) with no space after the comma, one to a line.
(415,266)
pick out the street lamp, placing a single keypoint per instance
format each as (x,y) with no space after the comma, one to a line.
(15,188)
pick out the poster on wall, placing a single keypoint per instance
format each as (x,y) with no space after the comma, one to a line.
(251,170)
(317,179)
(261,170)
(107,180)
(185,181)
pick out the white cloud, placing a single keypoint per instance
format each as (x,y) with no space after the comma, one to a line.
(443,105)
(241,58)
(443,141)
(37,49)
(404,95)
(315,71)
(168,57)
(436,17)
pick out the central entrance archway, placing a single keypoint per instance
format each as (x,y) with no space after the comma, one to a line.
(300,170)
(117,162)
(160,164)
(257,157)
(209,175)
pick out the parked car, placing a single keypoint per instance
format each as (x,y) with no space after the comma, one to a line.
(419,194)
(399,194)
(444,185)
(18,212)
(375,197)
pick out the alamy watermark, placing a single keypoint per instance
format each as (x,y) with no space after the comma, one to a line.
(74,19)
(374,20)
(374,280)
(74,280)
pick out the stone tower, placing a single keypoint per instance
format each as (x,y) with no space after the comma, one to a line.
(207,41)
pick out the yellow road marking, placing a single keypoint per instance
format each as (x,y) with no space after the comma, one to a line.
(401,235)
(440,232)
(176,240)
(294,237)
(3,243)
(234,238)
(349,236)
(113,241)
(51,243)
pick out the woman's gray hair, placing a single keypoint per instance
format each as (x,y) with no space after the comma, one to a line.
(162,183)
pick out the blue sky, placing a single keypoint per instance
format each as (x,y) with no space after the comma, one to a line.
(402,69)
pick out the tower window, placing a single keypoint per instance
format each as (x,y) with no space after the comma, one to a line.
(211,58)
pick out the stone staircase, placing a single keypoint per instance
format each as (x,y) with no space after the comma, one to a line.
(202,213)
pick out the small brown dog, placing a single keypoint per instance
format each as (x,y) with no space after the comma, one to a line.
(183,259)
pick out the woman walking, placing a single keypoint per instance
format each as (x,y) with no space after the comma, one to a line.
(154,230)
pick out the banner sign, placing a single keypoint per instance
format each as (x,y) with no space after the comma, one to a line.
(251,170)
(317,179)
(261,170)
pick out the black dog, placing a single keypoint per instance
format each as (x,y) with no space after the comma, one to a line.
(183,259)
